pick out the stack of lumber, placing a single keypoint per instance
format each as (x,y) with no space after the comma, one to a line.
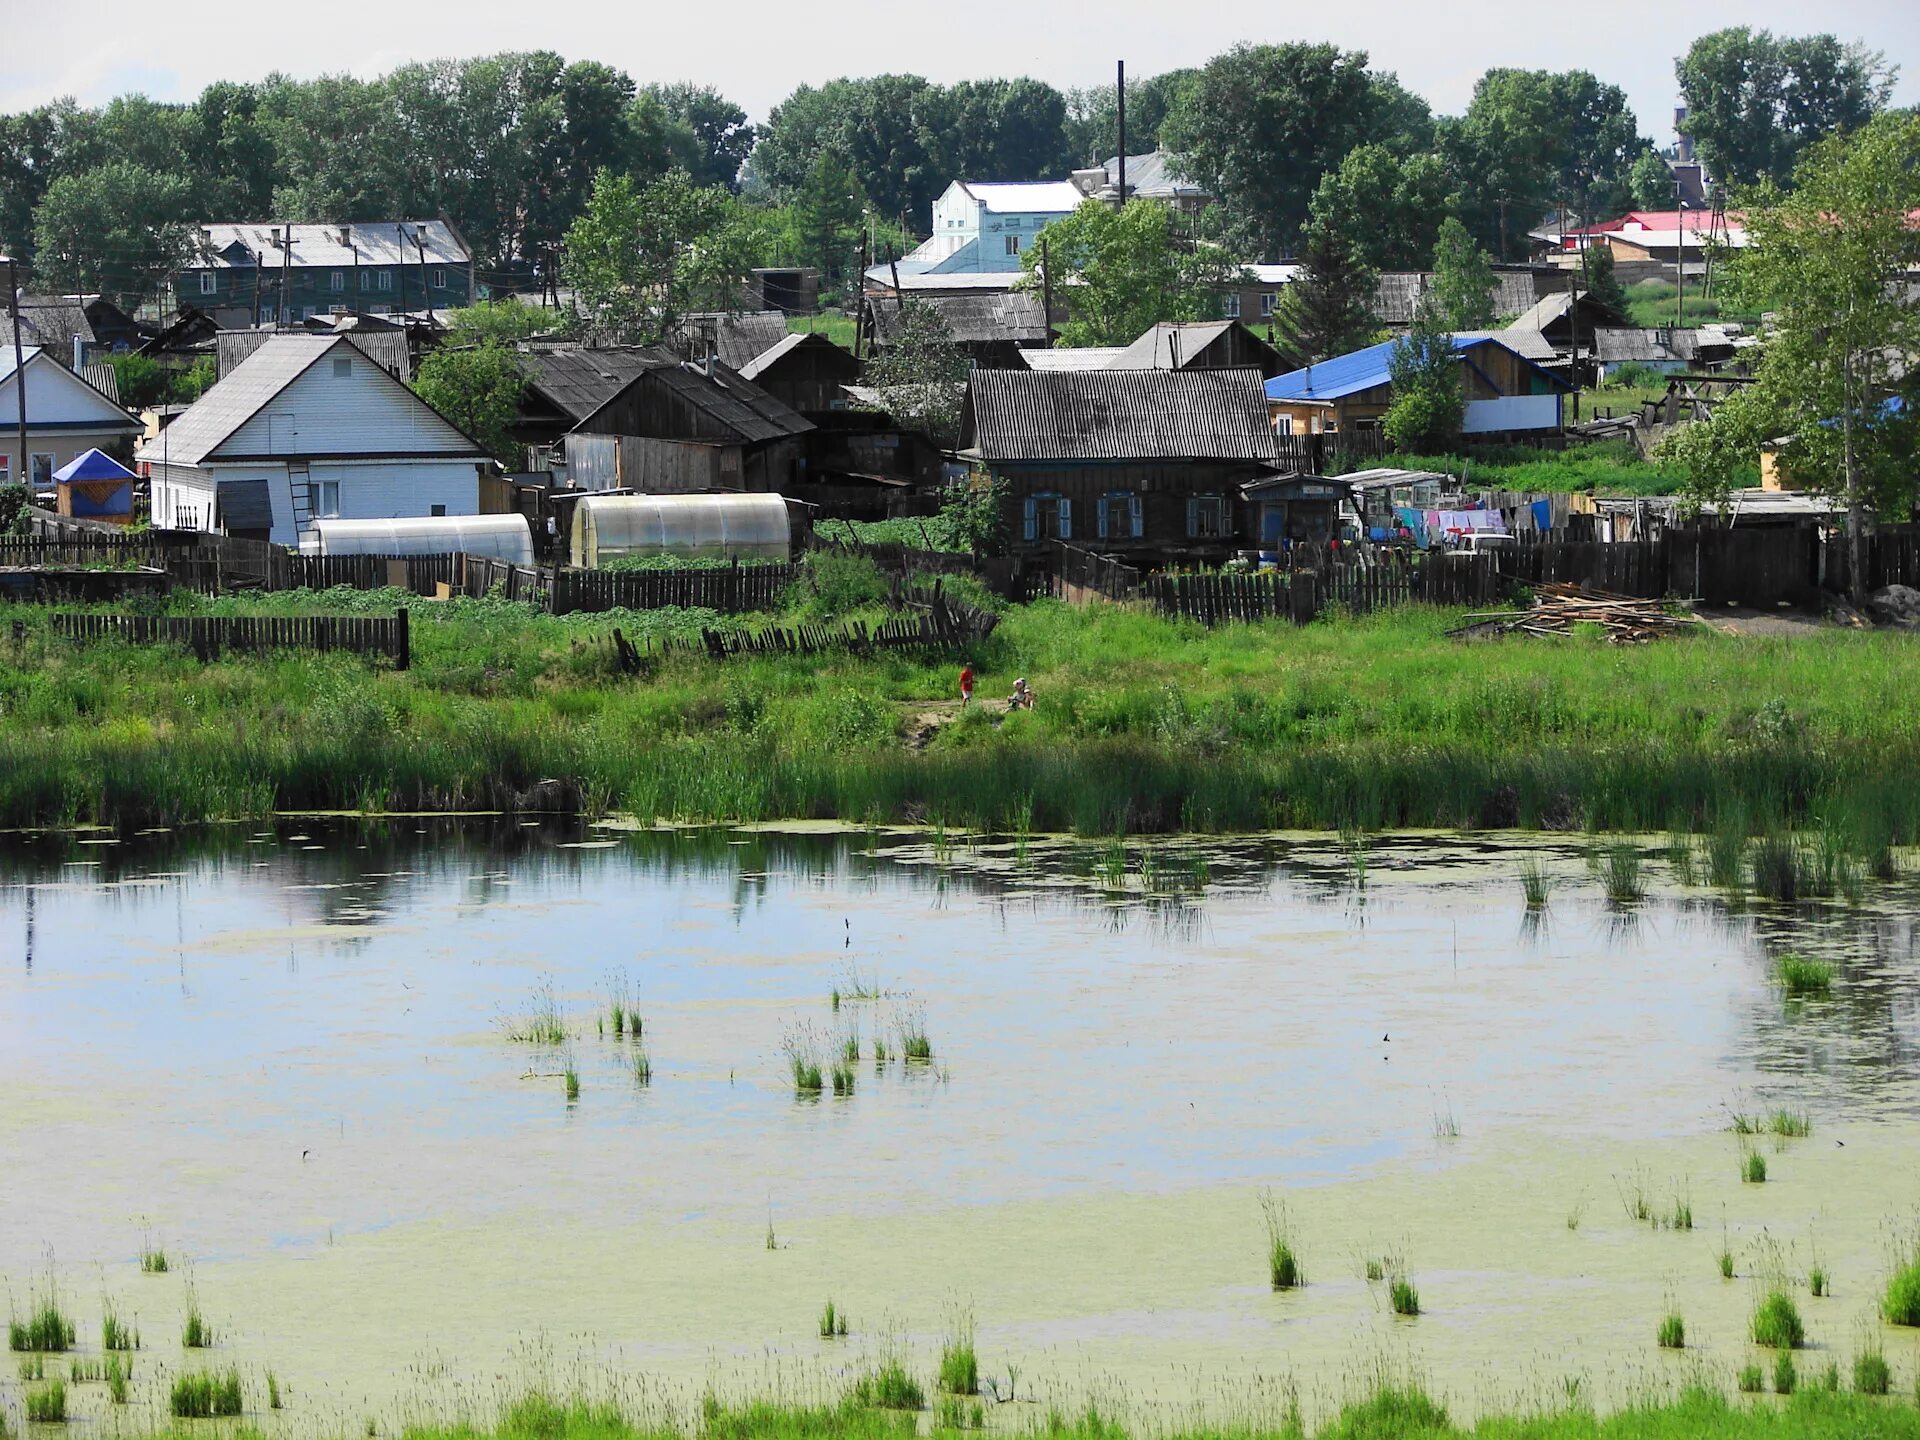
(1558,607)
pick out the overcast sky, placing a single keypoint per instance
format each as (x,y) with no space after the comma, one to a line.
(756,51)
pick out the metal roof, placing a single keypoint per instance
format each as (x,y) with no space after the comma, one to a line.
(738,336)
(1019,316)
(1364,369)
(387,348)
(1152,177)
(1026,197)
(1550,308)
(247,390)
(577,381)
(1084,357)
(53,321)
(1397,294)
(104,378)
(1530,344)
(1170,345)
(804,339)
(956,281)
(1118,415)
(382,242)
(736,404)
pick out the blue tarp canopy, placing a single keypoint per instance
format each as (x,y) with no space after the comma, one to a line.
(94,466)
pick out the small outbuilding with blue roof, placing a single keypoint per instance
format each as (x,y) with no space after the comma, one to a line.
(1506,393)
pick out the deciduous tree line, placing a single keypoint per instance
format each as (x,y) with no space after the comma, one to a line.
(1290,138)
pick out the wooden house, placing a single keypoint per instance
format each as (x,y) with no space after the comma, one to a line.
(66,414)
(733,337)
(990,328)
(1506,393)
(1571,316)
(1202,345)
(306,428)
(1149,464)
(806,372)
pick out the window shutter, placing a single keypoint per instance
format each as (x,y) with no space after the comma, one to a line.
(1193,516)
(1100,519)
(1029,520)
(1133,507)
(1066,518)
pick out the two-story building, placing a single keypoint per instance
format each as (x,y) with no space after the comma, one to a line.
(246,275)
(988,227)
(1506,393)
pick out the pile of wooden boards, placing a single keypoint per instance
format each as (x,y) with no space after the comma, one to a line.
(1558,607)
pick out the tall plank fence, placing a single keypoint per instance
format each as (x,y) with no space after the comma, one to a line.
(731,591)
(208,636)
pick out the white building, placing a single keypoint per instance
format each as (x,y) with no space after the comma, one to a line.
(66,417)
(987,228)
(308,427)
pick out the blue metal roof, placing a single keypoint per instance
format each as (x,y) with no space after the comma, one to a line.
(1359,370)
(93,466)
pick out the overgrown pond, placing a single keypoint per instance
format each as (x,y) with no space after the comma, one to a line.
(285,1058)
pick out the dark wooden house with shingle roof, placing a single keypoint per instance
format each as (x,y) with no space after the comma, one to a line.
(1151,464)
(991,328)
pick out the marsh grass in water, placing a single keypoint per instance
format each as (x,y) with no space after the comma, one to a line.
(1776,1322)
(1819,1283)
(47,1404)
(1673,1332)
(802,1050)
(33,1367)
(85,1370)
(1535,883)
(1871,1373)
(46,1327)
(571,1078)
(1791,1124)
(197,1333)
(642,1066)
(1621,871)
(273,1391)
(1786,1378)
(889,1387)
(1284,1270)
(1900,1305)
(959,1366)
(153,1261)
(833,1322)
(116,1334)
(119,1374)
(842,1075)
(1404,1298)
(205,1396)
(1801,976)
(541,1023)
(1753,1167)
(914,1044)
(950,1412)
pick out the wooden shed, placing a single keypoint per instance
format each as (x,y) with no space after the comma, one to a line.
(806,372)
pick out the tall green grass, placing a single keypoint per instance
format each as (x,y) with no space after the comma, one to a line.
(1776,1322)
(1145,726)
(204,1396)
(959,1366)
(1901,1303)
(1284,1270)
(46,1404)
(46,1328)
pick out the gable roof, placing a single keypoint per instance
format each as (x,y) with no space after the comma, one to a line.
(1019,316)
(578,380)
(766,360)
(249,388)
(1550,308)
(1118,415)
(738,336)
(736,405)
(380,242)
(32,354)
(1172,345)
(1152,177)
(1081,357)
(1397,293)
(1359,370)
(54,321)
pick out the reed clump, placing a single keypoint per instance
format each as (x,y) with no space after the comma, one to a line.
(542,1023)
(1753,1167)
(1284,1270)
(197,1333)
(959,1366)
(85,1370)
(153,1261)
(46,1328)
(119,1374)
(1801,976)
(1776,1322)
(803,1064)
(115,1334)
(1673,1332)
(273,1391)
(642,1064)
(1403,1296)
(914,1044)
(889,1387)
(1621,869)
(1535,883)
(205,1396)
(833,1322)
(1752,1379)
(1871,1374)
(47,1404)
(1786,1377)
(1901,1303)
(842,1077)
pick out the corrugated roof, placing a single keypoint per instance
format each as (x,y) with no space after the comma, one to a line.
(956,281)
(577,381)
(1171,345)
(1027,197)
(1085,357)
(383,242)
(1522,341)
(387,348)
(1118,415)
(1018,316)
(808,340)
(1152,177)
(736,404)
(1550,308)
(53,321)
(104,378)
(1359,370)
(1397,294)
(738,336)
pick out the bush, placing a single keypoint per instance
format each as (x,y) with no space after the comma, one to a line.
(1870,1373)
(841,583)
(889,1388)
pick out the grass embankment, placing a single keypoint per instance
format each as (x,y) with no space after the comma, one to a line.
(1390,1414)
(1606,468)
(1653,303)
(1143,725)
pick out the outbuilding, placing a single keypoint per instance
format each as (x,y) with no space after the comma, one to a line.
(690,527)
(95,486)
(498,537)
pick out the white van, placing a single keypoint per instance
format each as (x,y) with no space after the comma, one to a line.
(1485,542)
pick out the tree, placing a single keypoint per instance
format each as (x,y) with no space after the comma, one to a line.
(1119,272)
(1602,284)
(119,230)
(922,374)
(504,322)
(1387,207)
(640,257)
(1756,101)
(478,388)
(825,220)
(875,125)
(1328,309)
(998,130)
(1261,124)
(1533,140)
(1461,296)
(1827,257)
(719,127)
(1428,406)
(1651,182)
(1093,123)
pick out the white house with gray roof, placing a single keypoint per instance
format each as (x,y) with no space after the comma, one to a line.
(987,227)
(308,427)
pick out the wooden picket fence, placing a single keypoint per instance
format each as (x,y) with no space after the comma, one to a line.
(208,636)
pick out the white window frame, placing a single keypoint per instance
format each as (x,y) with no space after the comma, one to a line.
(209,283)
(1230,307)
(386,279)
(1031,528)
(339,281)
(1013,244)
(1283,425)
(326,499)
(439,279)
(33,466)
(342,367)
(1266,305)
(1135,523)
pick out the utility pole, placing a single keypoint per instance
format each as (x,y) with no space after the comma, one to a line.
(19,369)
(346,234)
(420,244)
(1120,109)
(1046,292)
(284,310)
(258,261)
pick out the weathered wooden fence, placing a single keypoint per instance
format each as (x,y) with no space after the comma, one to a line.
(730,591)
(210,635)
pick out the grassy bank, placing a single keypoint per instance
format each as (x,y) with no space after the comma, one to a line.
(1607,468)
(1142,725)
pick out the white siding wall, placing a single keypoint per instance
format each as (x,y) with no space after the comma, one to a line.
(181,497)
(370,489)
(1512,412)
(367,412)
(56,395)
